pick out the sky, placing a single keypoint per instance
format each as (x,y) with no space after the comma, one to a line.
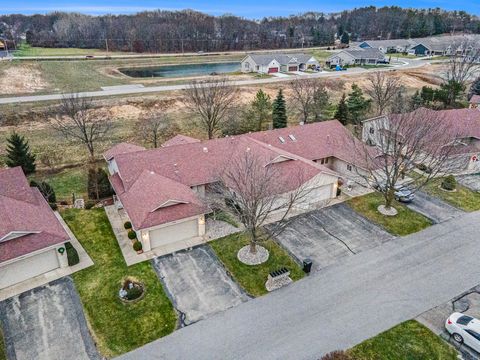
(252,9)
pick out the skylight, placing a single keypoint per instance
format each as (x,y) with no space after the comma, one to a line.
(282,140)
(292,137)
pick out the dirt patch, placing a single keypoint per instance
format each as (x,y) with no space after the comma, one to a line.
(22,79)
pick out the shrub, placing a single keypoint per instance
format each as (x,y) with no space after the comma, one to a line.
(89,204)
(98,182)
(424,168)
(132,235)
(53,206)
(449,183)
(137,246)
(72,254)
(63,202)
(127,225)
(46,190)
(134,293)
(337,355)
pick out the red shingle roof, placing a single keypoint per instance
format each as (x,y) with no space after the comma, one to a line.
(179,140)
(147,178)
(23,209)
(475,99)
(121,148)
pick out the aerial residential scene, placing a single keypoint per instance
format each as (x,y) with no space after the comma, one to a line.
(239,180)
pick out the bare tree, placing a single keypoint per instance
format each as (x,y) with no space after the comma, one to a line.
(153,128)
(422,139)
(310,98)
(252,190)
(212,101)
(76,122)
(382,88)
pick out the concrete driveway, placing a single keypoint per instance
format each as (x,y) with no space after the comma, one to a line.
(329,234)
(46,323)
(467,303)
(433,208)
(197,283)
(470,181)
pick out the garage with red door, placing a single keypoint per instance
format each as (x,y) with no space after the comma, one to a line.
(293,68)
(272,70)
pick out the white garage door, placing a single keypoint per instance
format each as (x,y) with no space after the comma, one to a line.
(173,233)
(27,268)
(320,193)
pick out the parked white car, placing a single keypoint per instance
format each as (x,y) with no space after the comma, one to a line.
(464,329)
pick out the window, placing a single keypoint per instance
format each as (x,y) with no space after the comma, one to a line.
(372,130)
(326,160)
(464,320)
(473,333)
(349,167)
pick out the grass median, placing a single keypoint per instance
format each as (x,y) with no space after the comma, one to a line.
(253,278)
(117,327)
(408,340)
(405,222)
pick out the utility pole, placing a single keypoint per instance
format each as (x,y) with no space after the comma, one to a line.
(106,44)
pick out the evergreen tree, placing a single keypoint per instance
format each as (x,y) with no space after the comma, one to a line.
(19,154)
(342,110)
(357,105)
(416,101)
(279,111)
(320,104)
(98,185)
(345,38)
(261,110)
(474,88)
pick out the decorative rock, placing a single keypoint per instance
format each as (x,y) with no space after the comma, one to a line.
(79,204)
(272,285)
(387,212)
(246,257)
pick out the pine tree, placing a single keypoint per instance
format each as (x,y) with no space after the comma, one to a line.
(19,154)
(279,111)
(357,105)
(98,184)
(416,101)
(320,104)
(474,88)
(342,110)
(262,109)
(345,38)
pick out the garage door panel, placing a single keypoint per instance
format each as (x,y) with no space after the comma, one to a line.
(273,70)
(27,268)
(174,233)
(320,193)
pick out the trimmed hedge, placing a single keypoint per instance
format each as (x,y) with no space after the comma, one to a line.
(137,246)
(127,225)
(72,254)
(449,183)
(132,234)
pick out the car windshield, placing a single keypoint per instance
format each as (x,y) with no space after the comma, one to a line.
(464,320)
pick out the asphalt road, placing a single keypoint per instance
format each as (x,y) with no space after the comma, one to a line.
(341,305)
(128,89)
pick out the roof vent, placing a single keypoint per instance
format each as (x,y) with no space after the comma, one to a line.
(205,149)
(292,137)
(302,123)
(248,149)
(282,140)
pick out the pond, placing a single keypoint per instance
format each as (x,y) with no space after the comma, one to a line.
(182,70)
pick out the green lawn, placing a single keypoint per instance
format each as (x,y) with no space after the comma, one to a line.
(253,278)
(117,327)
(66,182)
(27,50)
(405,222)
(463,198)
(407,341)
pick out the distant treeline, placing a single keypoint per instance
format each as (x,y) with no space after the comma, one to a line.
(177,31)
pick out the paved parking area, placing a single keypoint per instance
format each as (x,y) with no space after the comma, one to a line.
(197,283)
(330,233)
(433,208)
(46,323)
(470,181)
(467,303)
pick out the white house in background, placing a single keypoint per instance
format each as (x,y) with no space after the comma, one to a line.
(277,62)
(162,190)
(389,46)
(31,237)
(352,57)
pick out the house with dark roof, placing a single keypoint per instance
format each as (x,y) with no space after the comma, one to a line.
(278,62)
(351,57)
(162,191)
(389,46)
(31,236)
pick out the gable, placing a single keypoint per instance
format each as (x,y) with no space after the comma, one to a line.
(170,202)
(16,234)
